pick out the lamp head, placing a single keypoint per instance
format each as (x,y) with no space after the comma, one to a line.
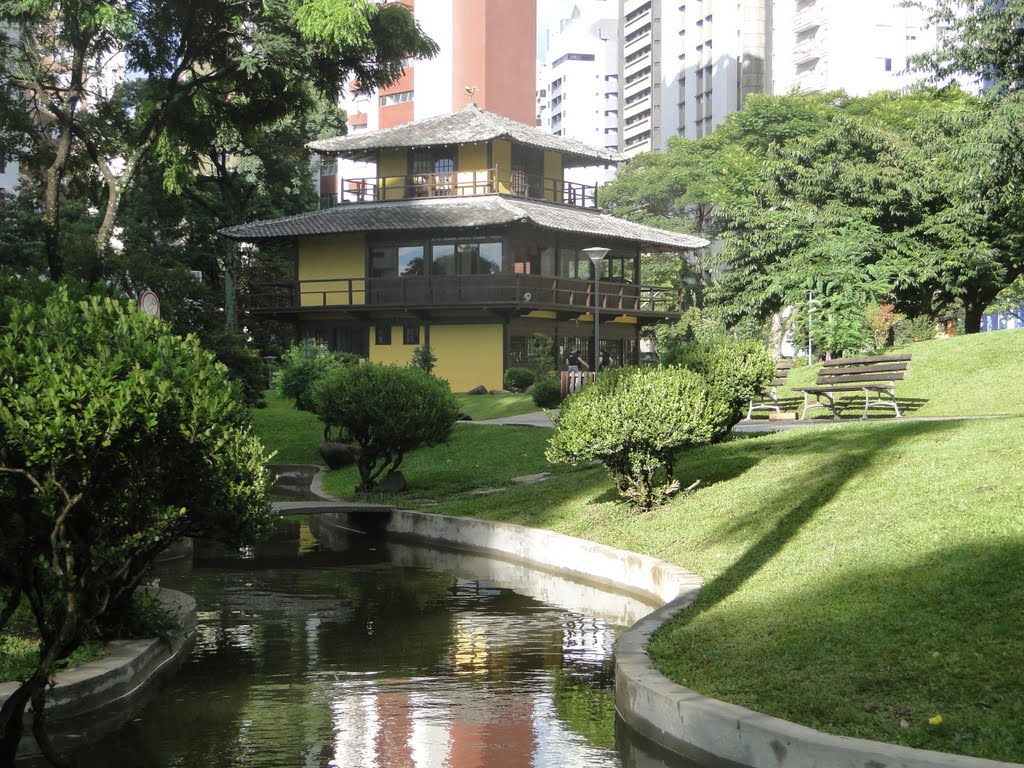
(596,254)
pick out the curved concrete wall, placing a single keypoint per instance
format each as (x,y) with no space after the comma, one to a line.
(708,731)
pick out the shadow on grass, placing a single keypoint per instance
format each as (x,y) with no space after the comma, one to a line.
(793,500)
(851,406)
(875,651)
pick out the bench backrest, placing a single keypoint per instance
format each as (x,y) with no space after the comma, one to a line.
(781,373)
(872,368)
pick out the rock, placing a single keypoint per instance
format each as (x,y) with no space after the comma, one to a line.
(531,479)
(529,389)
(464,416)
(393,482)
(338,455)
(499,392)
(478,390)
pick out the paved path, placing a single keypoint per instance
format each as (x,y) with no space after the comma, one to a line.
(535,419)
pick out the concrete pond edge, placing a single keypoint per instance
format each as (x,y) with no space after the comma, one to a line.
(128,667)
(673,716)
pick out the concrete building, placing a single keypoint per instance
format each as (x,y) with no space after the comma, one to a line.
(578,93)
(685,66)
(488,57)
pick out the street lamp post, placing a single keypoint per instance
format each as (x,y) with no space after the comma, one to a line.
(596,255)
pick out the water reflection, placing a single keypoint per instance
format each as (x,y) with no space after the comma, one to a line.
(315,649)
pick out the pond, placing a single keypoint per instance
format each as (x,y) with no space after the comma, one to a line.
(317,648)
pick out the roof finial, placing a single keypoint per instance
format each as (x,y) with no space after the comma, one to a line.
(471,91)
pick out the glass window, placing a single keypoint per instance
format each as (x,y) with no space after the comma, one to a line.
(466,259)
(410,261)
(411,334)
(382,332)
(443,260)
(396,261)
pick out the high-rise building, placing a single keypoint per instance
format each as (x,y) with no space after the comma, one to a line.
(488,57)
(578,85)
(685,66)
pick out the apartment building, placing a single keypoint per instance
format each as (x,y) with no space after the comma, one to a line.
(687,64)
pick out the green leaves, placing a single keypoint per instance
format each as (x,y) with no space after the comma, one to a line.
(338,23)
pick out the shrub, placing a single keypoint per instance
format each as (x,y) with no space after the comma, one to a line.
(736,370)
(244,364)
(118,437)
(635,421)
(547,393)
(424,358)
(387,410)
(518,379)
(302,365)
(540,354)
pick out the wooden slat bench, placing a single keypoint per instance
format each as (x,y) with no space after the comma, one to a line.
(769,399)
(874,376)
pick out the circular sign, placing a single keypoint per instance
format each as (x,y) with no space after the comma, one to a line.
(149,303)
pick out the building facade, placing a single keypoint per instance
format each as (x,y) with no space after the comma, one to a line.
(685,66)
(468,238)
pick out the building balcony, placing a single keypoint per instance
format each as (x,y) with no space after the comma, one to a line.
(808,17)
(502,292)
(808,50)
(811,81)
(463,184)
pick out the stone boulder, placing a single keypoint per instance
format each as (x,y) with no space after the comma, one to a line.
(338,455)
(393,482)
(478,390)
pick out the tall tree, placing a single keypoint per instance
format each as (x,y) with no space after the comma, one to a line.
(183,54)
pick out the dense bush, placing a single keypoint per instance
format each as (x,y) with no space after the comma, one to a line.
(244,364)
(547,393)
(636,421)
(518,379)
(116,438)
(387,410)
(736,370)
(302,365)
(540,354)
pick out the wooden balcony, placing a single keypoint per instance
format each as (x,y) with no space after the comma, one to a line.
(490,181)
(501,292)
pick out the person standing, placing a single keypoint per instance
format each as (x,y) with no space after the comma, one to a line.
(574,362)
(604,360)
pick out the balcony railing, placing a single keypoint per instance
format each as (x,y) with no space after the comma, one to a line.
(505,290)
(462,184)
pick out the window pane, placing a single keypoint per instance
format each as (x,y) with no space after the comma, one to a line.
(411,333)
(490,258)
(383,262)
(410,261)
(443,260)
(467,255)
(382,331)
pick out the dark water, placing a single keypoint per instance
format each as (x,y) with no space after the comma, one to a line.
(316,649)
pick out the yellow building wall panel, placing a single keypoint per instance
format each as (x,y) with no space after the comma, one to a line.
(392,169)
(501,158)
(552,170)
(398,353)
(473,157)
(468,355)
(341,258)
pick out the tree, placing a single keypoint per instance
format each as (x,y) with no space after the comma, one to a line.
(116,438)
(196,64)
(387,410)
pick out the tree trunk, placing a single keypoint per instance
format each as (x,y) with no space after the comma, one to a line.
(230,286)
(973,310)
(12,718)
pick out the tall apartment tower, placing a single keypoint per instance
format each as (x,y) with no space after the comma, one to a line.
(687,64)
(578,85)
(488,57)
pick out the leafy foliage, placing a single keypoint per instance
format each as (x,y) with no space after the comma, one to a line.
(301,366)
(386,410)
(540,354)
(117,438)
(518,379)
(547,393)
(635,421)
(424,358)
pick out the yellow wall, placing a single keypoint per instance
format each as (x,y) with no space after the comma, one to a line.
(501,158)
(396,351)
(339,258)
(468,355)
(392,168)
(552,170)
(473,157)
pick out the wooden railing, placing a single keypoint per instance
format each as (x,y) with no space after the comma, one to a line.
(463,184)
(504,289)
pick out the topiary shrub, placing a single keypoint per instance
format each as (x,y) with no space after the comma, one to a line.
(387,410)
(302,365)
(424,358)
(547,393)
(518,379)
(636,421)
(737,370)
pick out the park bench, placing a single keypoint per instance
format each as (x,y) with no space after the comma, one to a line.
(769,398)
(875,376)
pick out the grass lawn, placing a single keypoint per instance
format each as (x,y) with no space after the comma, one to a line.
(862,578)
(480,407)
(294,435)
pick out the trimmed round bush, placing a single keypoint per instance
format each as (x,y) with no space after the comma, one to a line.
(302,365)
(547,393)
(518,379)
(387,410)
(635,421)
(737,370)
